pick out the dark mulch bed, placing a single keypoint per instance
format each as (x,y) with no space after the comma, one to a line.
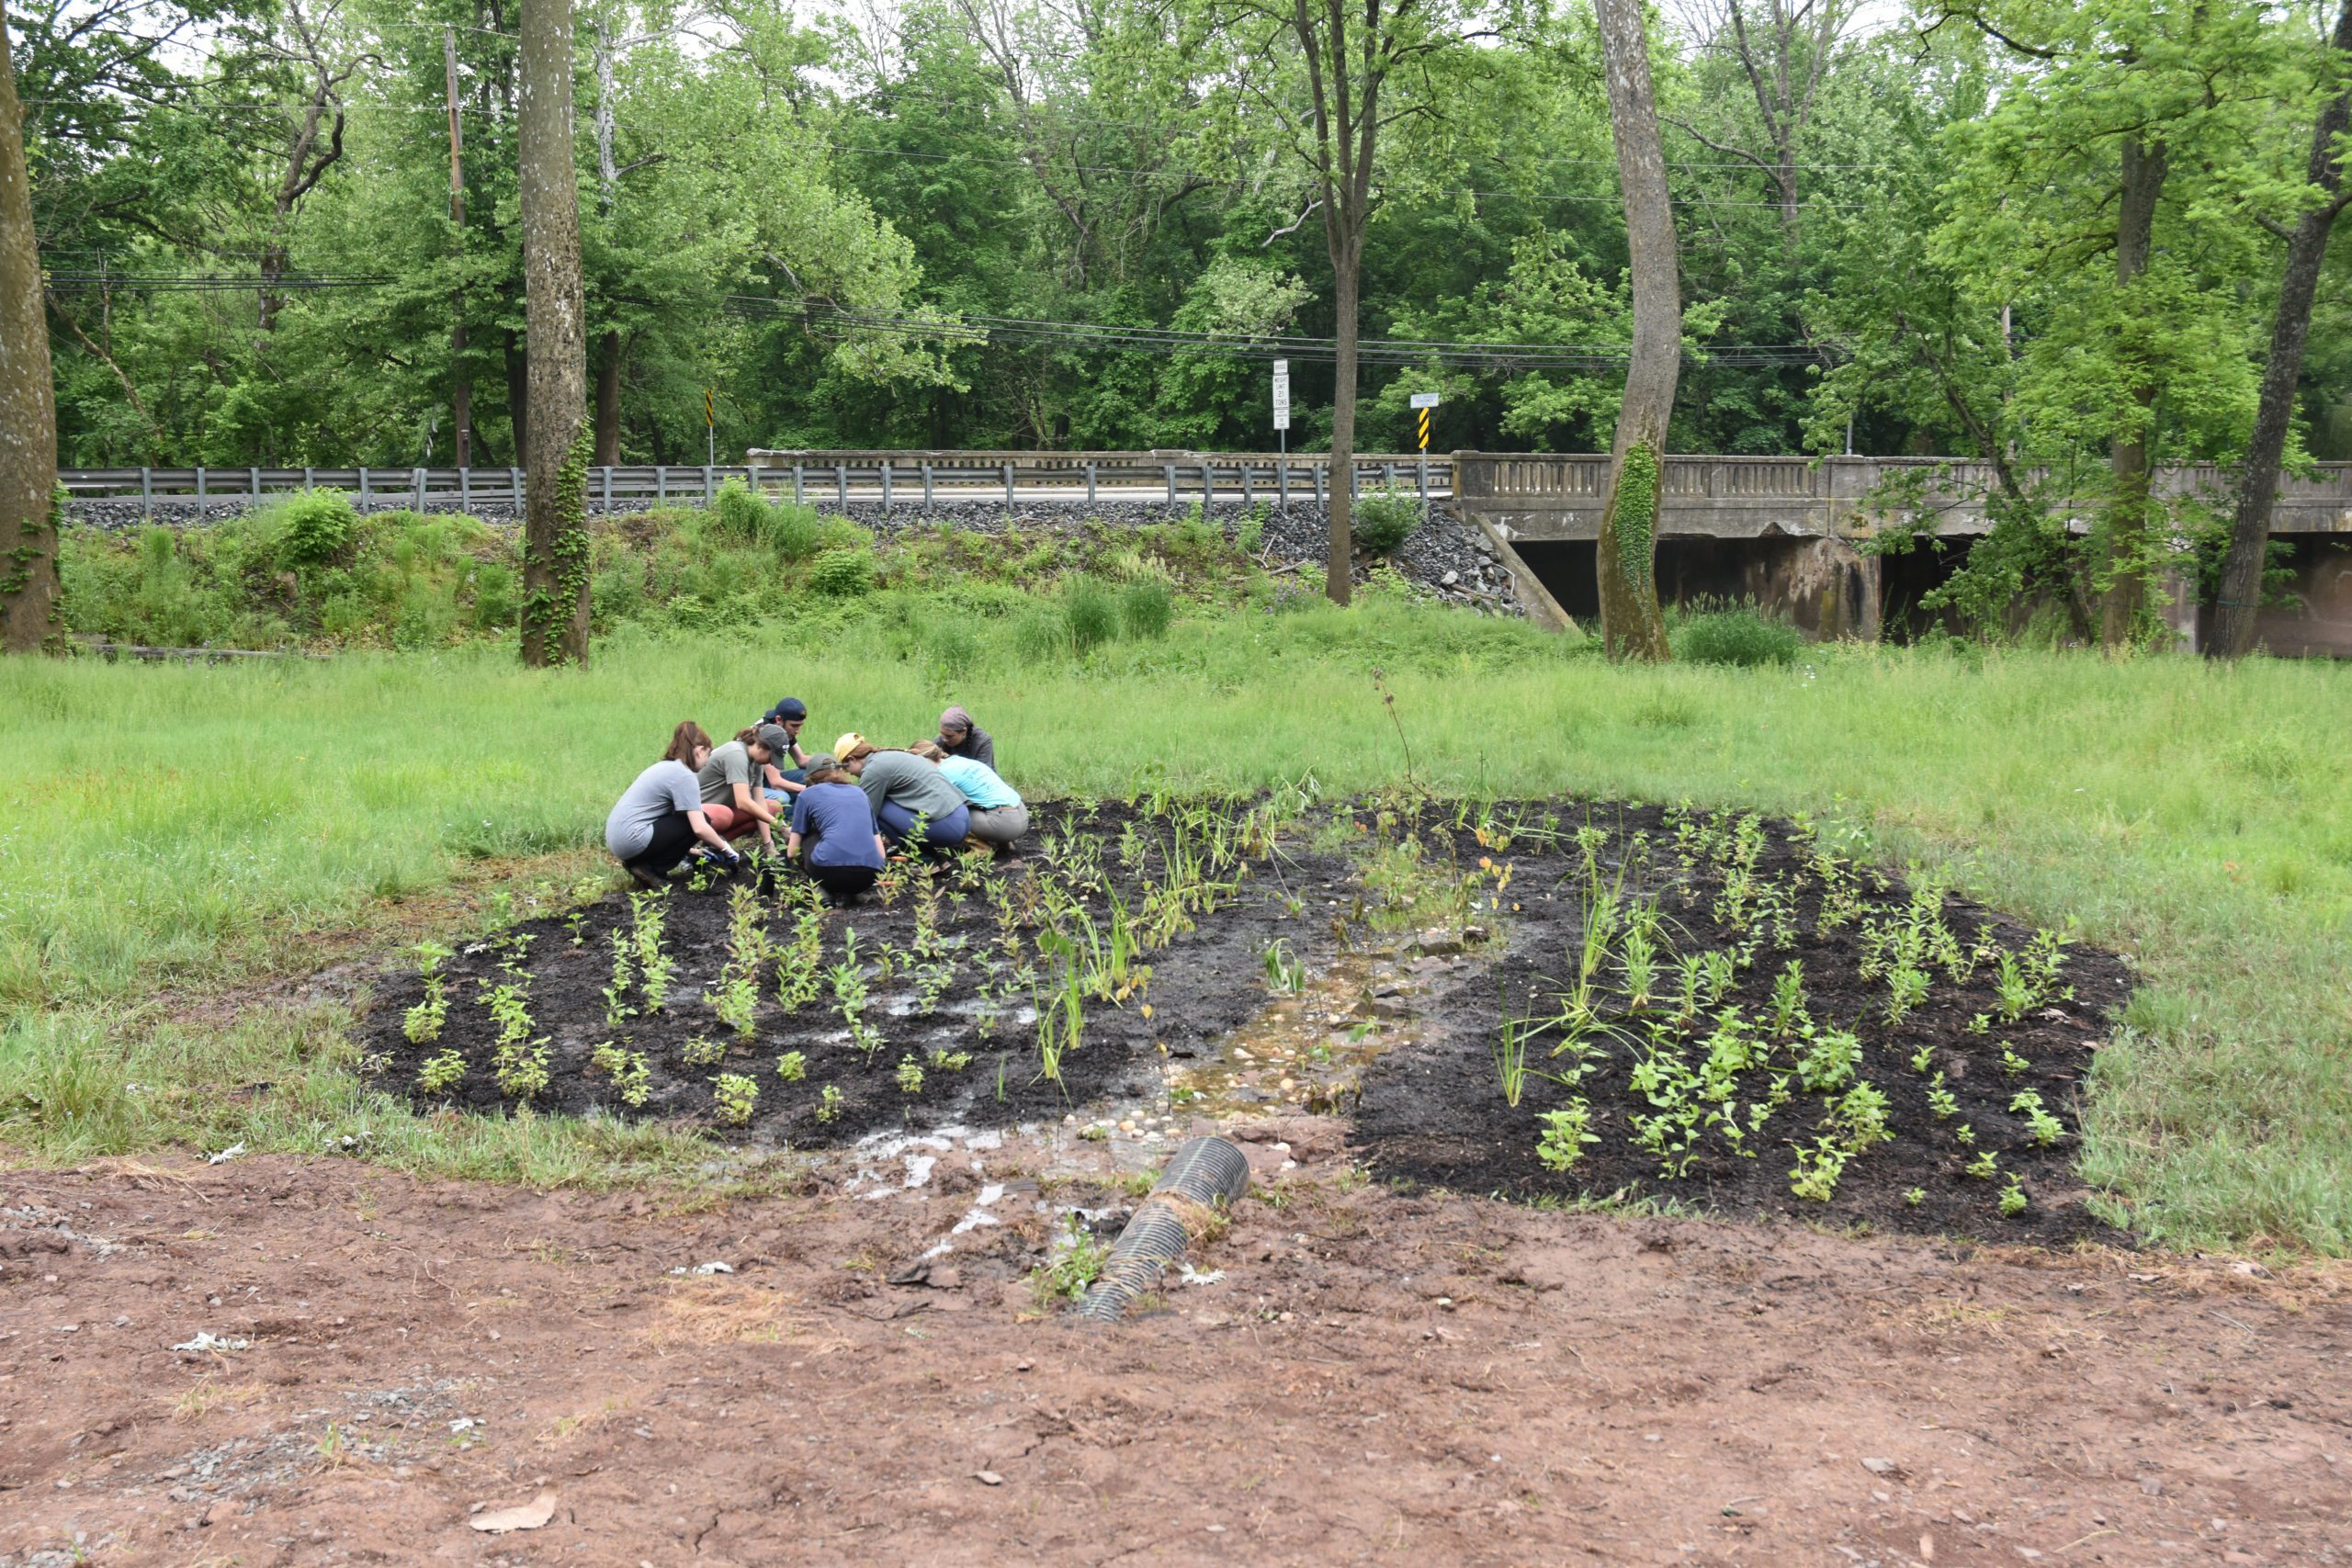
(1202,985)
(1436,1116)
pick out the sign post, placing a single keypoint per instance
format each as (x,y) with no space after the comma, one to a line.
(710,424)
(1422,403)
(1281,404)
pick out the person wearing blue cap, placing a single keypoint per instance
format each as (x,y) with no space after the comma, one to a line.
(787,770)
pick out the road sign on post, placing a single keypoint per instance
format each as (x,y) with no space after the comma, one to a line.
(711,422)
(1281,402)
(1422,403)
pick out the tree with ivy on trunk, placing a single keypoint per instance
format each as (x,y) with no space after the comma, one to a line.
(31,621)
(557,437)
(1632,626)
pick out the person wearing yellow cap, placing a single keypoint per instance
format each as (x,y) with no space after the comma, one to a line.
(901,786)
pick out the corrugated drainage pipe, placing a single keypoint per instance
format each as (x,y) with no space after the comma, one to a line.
(1204,1172)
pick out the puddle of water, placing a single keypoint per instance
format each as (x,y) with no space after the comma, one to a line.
(1306,1051)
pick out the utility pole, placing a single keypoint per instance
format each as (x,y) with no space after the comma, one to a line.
(461,396)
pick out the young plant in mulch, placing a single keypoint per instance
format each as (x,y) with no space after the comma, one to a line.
(616,1008)
(630,1074)
(1566,1131)
(735,1096)
(735,995)
(422,1024)
(2040,1126)
(653,964)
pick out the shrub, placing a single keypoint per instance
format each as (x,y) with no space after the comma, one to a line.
(314,527)
(738,512)
(1385,519)
(1741,634)
(1040,634)
(1250,533)
(1146,607)
(1093,612)
(841,574)
(793,532)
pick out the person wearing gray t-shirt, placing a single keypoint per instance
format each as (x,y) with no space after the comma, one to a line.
(902,788)
(659,815)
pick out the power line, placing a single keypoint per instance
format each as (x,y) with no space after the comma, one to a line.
(831,320)
(839,322)
(1492,195)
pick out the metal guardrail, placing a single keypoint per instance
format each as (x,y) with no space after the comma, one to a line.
(1734,494)
(889,478)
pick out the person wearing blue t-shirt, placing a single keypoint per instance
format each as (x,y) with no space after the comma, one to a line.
(833,833)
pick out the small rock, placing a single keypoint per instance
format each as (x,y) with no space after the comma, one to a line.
(1881,1467)
(2152,1486)
(1450,579)
(988,1478)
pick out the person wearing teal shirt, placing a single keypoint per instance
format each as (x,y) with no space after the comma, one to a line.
(999,817)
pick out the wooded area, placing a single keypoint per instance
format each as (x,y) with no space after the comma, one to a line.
(2030,232)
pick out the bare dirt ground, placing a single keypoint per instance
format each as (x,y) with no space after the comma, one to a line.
(1373,1378)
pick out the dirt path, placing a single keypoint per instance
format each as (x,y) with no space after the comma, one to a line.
(1436,1380)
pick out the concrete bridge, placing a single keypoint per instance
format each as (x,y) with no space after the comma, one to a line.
(1783,531)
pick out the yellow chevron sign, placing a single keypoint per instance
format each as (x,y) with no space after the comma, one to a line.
(1424,415)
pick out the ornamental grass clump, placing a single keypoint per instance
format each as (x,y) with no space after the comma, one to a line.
(1741,637)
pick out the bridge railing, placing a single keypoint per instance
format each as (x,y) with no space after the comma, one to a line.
(1838,491)
(841,475)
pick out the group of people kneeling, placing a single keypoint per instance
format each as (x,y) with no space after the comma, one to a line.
(841,810)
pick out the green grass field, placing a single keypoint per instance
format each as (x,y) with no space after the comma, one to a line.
(175,834)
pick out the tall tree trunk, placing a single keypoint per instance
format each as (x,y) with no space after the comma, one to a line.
(555,534)
(608,398)
(2240,593)
(1339,563)
(1625,559)
(31,618)
(2125,596)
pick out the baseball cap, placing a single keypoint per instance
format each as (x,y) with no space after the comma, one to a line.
(789,710)
(773,737)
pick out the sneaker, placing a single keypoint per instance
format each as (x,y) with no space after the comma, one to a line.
(646,876)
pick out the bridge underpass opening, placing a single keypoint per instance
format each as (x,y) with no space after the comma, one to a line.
(1783,576)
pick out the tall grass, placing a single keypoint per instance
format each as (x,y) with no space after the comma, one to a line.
(169,829)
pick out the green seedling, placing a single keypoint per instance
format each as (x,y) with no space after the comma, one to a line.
(2012,1064)
(792,1067)
(1983,1168)
(441,1071)
(2013,1199)
(1915,1197)
(1565,1135)
(829,1103)
(701,1051)
(2043,1127)
(632,1077)
(1788,999)
(735,1095)
(1828,1060)
(909,1076)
